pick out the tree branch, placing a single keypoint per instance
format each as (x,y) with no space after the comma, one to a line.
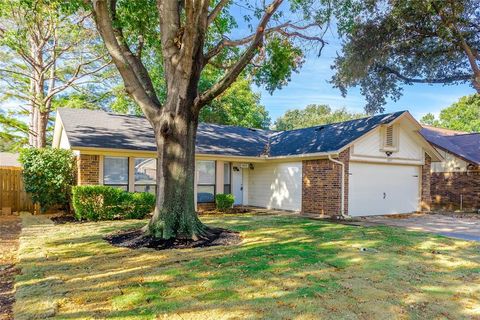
(281,28)
(75,77)
(16,72)
(242,62)
(216,11)
(408,80)
(133,85)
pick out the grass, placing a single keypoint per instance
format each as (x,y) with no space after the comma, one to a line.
(285,268)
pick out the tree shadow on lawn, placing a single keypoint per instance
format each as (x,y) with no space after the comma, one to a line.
(284,268)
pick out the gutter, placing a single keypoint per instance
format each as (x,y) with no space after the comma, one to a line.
(342,204)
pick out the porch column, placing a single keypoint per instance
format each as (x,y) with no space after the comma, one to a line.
(219,179)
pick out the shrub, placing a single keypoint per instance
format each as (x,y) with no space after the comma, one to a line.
(48,175)
(106,203)
(224,201)
(139,205)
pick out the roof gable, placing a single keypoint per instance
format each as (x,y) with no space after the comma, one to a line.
(463,145)
(99,129)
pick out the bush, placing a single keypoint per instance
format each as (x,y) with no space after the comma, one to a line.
(224,201)
(139,204)
(107,203)
(48,175)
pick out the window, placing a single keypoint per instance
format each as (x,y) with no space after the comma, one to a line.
(115,172)
(227,186)
(205,181)
(145,175)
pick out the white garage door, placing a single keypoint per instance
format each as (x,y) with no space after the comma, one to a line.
(276,186)
(376,189)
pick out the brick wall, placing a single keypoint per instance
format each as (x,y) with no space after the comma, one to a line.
(449,188)
(321,190)
(426,199)
(88,167)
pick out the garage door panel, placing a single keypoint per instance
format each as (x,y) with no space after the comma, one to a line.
(376,189)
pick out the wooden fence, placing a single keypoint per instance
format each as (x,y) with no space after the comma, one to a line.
(13,197)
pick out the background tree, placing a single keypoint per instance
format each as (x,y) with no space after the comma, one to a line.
(313,115)
(48,50)
(238,106)
(197,38)
(463,115)
(402,42)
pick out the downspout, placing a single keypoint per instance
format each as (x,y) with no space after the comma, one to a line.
(342,165)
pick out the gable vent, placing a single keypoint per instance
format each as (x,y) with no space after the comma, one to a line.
(389,137)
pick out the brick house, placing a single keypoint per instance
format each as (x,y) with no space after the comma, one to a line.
(370,166)
(455,181)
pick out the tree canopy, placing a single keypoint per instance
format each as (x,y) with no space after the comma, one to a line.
(50,53)
(238,106)
(313,115)
(402,42)
(463,115)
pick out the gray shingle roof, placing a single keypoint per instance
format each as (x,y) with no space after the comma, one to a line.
(99,129)
(464,145)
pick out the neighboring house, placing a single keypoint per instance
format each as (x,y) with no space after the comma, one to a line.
(10,160)
(369,166)
(455,180)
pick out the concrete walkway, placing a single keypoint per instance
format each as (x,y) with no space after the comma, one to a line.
(466,228)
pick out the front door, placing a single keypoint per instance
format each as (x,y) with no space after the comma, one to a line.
(237,184)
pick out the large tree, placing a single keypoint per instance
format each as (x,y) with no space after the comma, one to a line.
(401,42)
(194,37)
(49,50)
(463,115)
(313,115)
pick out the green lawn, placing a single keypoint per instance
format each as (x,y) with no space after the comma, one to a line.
(285,268)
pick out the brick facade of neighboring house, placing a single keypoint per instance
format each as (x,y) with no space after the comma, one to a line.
(88,169)
(453,190)
(426,199)
(321,185)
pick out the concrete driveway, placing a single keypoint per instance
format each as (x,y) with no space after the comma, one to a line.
(456,226)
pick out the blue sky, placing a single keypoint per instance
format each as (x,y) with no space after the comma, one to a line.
(310,86)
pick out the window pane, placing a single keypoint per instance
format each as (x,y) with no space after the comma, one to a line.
(205,194)
(145,170)
(226,173)
(206,172)
(227,189)
(115,170)
(146,188)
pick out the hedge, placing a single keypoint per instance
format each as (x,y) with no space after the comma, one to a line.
(224,202)
(48,175)
(94,203)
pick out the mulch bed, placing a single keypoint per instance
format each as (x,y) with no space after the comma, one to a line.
(135,239)
(470,215)
(62,219)
(234,210)
(10,227)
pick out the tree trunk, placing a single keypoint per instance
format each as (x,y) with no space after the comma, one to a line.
(175,215)
(42,129)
